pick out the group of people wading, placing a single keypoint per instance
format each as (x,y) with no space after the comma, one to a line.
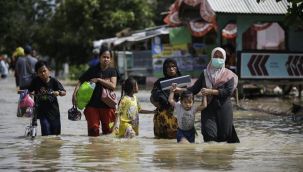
(216,83)
(174,115)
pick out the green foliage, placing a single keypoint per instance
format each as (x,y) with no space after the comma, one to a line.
(65,31)
(75,71)
(294,13)
(20,21)
(76,24)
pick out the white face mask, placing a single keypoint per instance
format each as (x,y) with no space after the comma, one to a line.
(217,62)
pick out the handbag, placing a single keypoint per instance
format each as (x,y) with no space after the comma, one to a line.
(109,97)
(74,114)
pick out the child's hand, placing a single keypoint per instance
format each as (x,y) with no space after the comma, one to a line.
(173,87)
(116,130)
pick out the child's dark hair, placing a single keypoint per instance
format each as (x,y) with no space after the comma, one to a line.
(127,87)
(187,95)
(39,64)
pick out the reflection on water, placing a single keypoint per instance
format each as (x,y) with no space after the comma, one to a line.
(194,157)
(268,143)
(41,154)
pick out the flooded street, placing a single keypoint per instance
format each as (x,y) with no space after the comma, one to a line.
(268,143)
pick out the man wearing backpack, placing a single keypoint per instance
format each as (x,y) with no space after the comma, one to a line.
(25,68)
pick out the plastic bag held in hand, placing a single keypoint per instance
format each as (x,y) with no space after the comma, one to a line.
(27,101)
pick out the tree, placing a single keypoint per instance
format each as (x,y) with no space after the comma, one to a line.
(20,21)
(294,12)
(76,24)
(65,31)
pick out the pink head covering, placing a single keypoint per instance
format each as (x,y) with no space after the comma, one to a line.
(219,76)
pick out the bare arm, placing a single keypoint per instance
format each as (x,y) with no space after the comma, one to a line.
(209,92)
(75,93)
(203,104)
(117,121)
(171,95)
(111,83)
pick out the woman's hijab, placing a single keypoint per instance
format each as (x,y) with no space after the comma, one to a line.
(219,76)
(160,95)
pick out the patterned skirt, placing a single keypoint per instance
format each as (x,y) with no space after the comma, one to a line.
(165,124)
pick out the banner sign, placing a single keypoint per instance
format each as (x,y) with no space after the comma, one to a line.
(270,65)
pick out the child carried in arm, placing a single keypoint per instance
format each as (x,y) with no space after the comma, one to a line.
(185,112)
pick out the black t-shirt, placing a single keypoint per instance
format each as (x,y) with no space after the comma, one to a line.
(46,104)
(96,72)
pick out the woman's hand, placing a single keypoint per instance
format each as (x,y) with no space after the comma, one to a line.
(95,80)
(206,91)
(178,90)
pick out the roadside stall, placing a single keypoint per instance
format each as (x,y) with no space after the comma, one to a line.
(261,48)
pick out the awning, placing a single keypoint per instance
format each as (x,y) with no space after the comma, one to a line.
(135,37)
(230,31)
(108,41)
(261,26)
(199,26)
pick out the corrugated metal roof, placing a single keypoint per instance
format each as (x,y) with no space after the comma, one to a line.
(249,6)
(136,36)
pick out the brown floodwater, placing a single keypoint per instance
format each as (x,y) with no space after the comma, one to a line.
(268,143)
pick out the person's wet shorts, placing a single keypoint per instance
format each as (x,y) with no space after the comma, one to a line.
(188,134)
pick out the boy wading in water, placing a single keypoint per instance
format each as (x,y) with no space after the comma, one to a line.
(185,113)
(47,89)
